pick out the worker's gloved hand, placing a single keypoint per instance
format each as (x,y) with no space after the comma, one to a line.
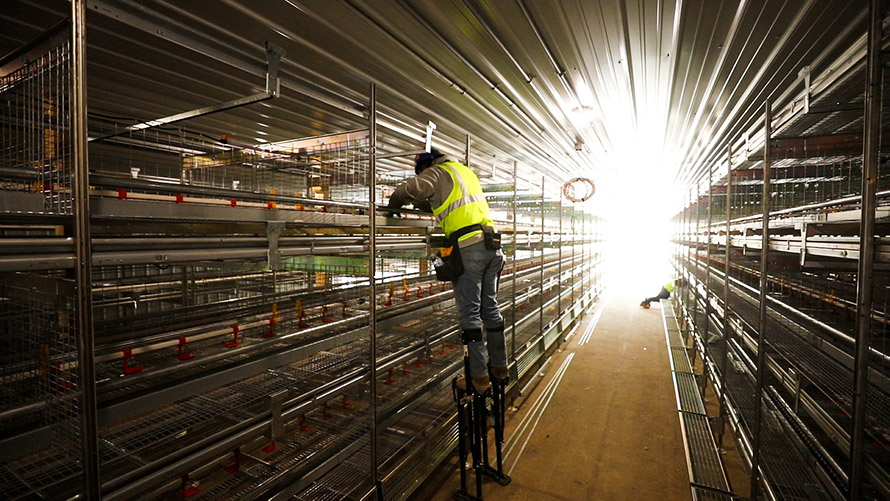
(424,206)
(393,210)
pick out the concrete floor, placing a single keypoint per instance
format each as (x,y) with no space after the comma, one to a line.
(610,428)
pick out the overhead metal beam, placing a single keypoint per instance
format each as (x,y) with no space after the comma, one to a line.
(274,54)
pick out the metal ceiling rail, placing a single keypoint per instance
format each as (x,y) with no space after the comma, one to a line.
(174,31)
(274,54)
(156,24)
(463,90)
(290,33)
(530,79)
(691,131)
(750,136)
(752,93)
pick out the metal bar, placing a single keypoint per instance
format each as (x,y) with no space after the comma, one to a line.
(186,115)
(764,289)
(396,154)
(559,265)
(871,153)
(513,279)
(467,151)
(372,275)
(272,90)
(83,271)
(707,329)
(19,56)
(541,279)
(695,295)
(574,250)
(116,182)
(727,330)
(815,206)
(687,227)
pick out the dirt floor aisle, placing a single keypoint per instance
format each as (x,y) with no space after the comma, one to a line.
(610,428)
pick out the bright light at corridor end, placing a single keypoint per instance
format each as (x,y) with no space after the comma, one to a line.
(637,202)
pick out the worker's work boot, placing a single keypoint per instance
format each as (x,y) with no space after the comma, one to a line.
(481,384)
(645,305)
(500,374)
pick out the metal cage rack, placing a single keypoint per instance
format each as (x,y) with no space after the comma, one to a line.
(261,329)
(773,302)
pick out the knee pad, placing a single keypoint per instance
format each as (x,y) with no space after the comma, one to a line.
(470,335)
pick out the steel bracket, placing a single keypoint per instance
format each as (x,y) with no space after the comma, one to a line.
(274,54)
(804,73)
(804,232)
(273,59)
(276,400)
(273,233)
(428,144)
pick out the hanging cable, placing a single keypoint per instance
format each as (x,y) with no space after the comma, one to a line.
(579,189)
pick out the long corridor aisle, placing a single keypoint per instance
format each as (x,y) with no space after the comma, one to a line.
(610,429)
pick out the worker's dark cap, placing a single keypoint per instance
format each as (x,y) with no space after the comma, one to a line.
(425,159)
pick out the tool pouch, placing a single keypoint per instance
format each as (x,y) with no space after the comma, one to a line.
(452,266)
(492,240)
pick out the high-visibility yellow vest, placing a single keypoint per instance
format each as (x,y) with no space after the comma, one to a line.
(669,286)
(465,205)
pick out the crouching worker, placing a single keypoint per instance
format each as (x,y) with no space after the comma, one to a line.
(665,292)
(455,196)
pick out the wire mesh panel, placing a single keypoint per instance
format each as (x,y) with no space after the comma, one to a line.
(37,316)
(35,142)
(40,391)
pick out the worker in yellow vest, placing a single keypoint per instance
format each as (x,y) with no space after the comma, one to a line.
(665,292)
(453,193)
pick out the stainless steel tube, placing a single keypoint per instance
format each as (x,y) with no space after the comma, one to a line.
(83,268)
(871,157)
(764,290)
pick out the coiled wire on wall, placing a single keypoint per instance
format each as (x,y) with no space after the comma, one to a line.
(579,189)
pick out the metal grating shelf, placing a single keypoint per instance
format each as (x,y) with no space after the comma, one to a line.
(707,467)
(680,360)
(700,494)
(687,389)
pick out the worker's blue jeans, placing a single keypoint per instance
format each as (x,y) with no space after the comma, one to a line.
(663,294)
(476,295)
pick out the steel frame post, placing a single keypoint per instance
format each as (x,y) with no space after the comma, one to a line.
(695,294)
(467,151)
(372,277)
(707,326)
(541,295)
(727,330)
(86,368)
(584,271)
(594,277)
(864,299)
(513,280)
(688,267)
(764,285)
(574,248)
(559,270)
(681,263)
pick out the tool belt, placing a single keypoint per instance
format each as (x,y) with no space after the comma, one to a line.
(492,239)
(452,266)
